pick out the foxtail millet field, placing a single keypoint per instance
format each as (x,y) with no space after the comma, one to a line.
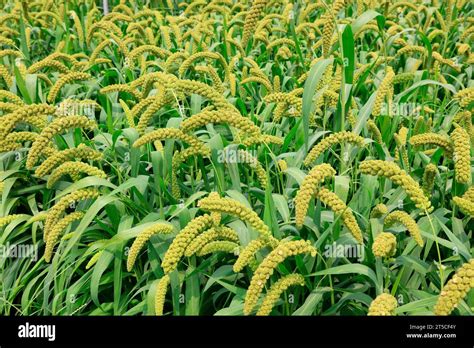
(224,157)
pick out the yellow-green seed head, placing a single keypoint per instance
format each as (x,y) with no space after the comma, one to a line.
(378,211)
(393,172)
(160,294)
(309,187)
(383,305)
(456,289)
(268,265)
(462,155)
(385,245)
(142,238)
(276,290)
(181,241)
(405,219)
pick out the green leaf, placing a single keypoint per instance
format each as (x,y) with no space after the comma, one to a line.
(363,19)
(102,264)
(281,204)
(23,46)
(424,83)
(418,306)
(348,53)
(296,174)
(311,302)
(315,75)
(193,293)
(269,213)
(353,268)
(20,82)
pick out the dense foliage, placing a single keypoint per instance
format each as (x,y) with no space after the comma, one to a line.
(236,157)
